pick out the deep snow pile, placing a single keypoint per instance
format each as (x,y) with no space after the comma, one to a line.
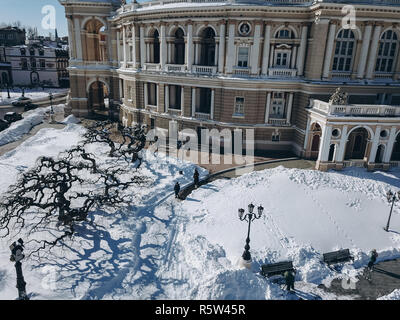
(30,119)
(35,94)
(158,247)
(395,295)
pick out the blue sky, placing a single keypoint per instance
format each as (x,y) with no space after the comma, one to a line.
(29,12)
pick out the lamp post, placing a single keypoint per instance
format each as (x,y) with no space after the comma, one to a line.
(249,217)
(51,108)
(392,198)
(17,255)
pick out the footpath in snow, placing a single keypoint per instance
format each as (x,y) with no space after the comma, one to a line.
(159,247)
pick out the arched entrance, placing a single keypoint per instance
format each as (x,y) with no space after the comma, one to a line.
(95,41)
(357,144)
(379,153)
(98,99)
(332,149)
(316,132)
(396,150)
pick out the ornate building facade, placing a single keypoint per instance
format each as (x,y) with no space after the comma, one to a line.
(271,66)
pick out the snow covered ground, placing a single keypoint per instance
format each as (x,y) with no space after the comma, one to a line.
(30,119)
(34,94)
(162,248)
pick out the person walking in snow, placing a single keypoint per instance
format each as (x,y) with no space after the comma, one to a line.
(177,188)
(372,259)
(196,178)
(289,280)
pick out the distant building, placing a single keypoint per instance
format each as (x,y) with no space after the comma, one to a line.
(38,65)
(12,36)
(5,69)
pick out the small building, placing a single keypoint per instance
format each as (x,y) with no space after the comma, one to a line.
(5,69)
(12,36)
(38,65)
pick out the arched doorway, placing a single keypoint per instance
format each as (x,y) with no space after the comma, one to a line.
(332,149)
(98,99)
(379,153)
(316,132)
(396,150)
(95,41)
(207,44)
(356,144)
(179,47)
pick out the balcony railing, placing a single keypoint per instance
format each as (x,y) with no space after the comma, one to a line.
(369,110)
(152,66)
(209,70)
(202,116)
(277,122)
(244,72)
(282,72)
(176,68)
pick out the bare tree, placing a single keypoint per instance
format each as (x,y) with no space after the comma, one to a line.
(58,194)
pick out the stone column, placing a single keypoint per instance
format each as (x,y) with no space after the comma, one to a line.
(390,145)
(189,47)
(373,51)
(302,51)
(374,147)
(163,47)
(78,39)
(212,104)
(266,50)
(364,51)
(221,58)
(293,58)
(255,49)
(267,107)
(231,48)
(124,45)
(193,102)
(329,51)
(118,49)
(142,47)
(134,46)
(342,145)
(145,94)
(166,94)
(71,38)
(289,108)
(325,143)
(182,100)
(271,57)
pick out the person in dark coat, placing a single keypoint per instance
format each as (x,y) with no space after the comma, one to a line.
(289,280)
(372,260)
(196,178)
(177,188)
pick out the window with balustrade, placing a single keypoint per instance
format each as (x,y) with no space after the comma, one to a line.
(243,57)
(239,106)
(175,97)
(387,52)
(344,51)
(152,94)
(277,105)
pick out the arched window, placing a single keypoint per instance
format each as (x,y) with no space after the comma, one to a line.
(387,52)
(284,34)
(207,44)
(155,54)
(343,58)
(179,47)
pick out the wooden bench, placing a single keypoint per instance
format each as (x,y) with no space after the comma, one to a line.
(268,270)
(337,256)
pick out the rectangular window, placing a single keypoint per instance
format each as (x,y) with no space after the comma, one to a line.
(243,57)
(24,64)
(42,63)
(277,105)
(239,106)
(152,94)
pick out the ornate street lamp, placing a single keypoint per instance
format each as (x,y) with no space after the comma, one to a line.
(249,217)
(51,108)
(17,249)
(392,198)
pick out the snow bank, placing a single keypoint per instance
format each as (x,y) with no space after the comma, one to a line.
(395,295)
(71,119)
(30,119)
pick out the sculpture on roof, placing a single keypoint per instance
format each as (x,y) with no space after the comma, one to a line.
(338,97)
